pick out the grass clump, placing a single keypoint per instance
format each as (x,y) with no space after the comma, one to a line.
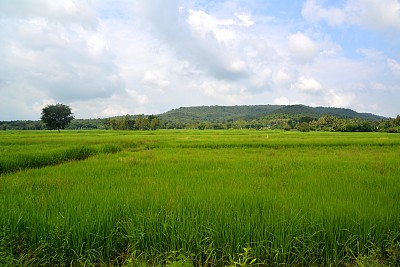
(38,153)
(110,148)
(42,159)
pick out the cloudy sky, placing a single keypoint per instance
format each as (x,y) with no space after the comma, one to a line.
(116,57)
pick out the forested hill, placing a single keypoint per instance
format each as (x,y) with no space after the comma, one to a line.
(218,113)
(233,113)
(235,117)
(316,112)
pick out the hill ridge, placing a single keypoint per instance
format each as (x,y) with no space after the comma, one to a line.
(219,113)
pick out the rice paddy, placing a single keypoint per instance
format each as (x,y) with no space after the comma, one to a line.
(199,198)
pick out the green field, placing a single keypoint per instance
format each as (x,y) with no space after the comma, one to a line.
(199,198)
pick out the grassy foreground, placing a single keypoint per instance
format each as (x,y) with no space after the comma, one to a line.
(199,198)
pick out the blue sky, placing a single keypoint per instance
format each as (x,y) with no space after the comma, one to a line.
(107,58)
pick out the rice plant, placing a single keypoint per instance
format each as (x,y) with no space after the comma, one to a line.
(197,198)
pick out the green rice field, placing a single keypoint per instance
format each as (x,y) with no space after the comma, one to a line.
(199,198)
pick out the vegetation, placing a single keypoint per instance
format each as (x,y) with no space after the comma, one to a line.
(291,117)
(139,122)
(248,113)
(21,125)
(56,116)
(294,117)
(188,115)
(201,198)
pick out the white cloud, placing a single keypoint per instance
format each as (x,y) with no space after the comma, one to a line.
(281,101)
(245,19)
(341,100)
(302,48)
(373,14)
(238,66)
(262,77)
(154,81)
(378,86)
(64,12)
(204,23)
(114,110)
(216,89)
(394,66)
(281,78)
(111,58)
(67,62)
(138,98)
(229,93)
(307,85)
(314,11)
(96,45)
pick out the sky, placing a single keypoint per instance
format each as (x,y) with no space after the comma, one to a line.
(106,58)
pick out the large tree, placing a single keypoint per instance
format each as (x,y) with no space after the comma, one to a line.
(56,116)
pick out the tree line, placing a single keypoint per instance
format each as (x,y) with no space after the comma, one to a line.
(152,122)
(60,116)
(304,124)
(129,122)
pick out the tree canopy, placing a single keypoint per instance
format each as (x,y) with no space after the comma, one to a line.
(56,116)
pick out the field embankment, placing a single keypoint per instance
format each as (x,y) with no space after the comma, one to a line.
(202,198)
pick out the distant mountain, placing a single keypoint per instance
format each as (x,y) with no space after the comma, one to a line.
(232,113)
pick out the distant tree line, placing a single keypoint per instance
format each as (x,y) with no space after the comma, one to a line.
(301,123)
(22,125)
(284,122)
(129,122)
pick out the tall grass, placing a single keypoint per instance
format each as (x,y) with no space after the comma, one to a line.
(169,198)
(25,150)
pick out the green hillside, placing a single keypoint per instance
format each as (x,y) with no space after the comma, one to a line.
(232,113)
(317,112)
(217,113)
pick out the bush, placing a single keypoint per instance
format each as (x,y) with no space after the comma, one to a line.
(303,127)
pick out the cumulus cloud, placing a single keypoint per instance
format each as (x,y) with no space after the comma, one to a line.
(373,14)
(314,11)
(301,47)
(64,12)
(281,78)
(336,99)
(283,100)
(232,93)
(155,81)
(113,58)
(194,35)
(307,85)
(67,66)
(245,19)
(394,66)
